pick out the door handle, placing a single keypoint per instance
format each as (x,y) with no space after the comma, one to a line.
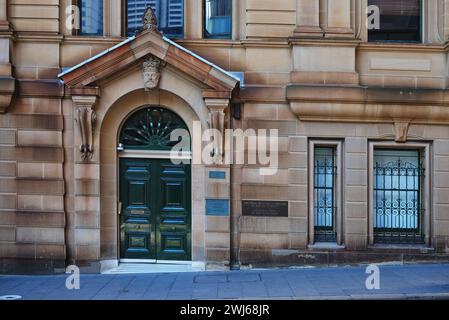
(119,208)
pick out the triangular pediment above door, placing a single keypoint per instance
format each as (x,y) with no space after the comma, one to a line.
(152,47)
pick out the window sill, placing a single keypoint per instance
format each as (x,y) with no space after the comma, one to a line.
(325,246)
(103,39)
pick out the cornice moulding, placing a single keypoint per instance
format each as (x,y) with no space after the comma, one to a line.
(360,104)
(373,95)
(408,47)
(52,38)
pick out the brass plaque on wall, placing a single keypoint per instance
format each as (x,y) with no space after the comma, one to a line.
(265,208)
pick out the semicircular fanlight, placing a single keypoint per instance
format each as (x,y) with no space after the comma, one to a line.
(151,128)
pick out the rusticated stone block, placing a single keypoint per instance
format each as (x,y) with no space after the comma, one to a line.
(356,226)
(55,187)
(30,265)
(31,154)
(35,121)
(87,236)
(40,235)
(7,201)
(87,171)
(7,169)
(50,251)
(87,220)
(217,254)
(264,225)
(87,203)
(88,252)
(217,224)
(8,137)
(7,233)
(87,187)
(356,242)
(217,240)
(39,138)
(298,240)
(298,209)
(40,219)
(40,202)
(264,241)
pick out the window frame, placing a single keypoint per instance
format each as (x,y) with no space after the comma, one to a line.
(79,32)
(424,148)
(125,20)
(338,145)
(422,21)
(203,23)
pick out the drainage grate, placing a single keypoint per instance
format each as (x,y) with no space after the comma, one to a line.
(10,297)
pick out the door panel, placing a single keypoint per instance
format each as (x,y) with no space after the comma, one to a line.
(173,232)
(137,217)
(156,214)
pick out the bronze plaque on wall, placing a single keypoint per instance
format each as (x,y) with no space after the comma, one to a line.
(265,208)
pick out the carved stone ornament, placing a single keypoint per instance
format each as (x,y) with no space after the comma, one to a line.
(217,121)
(86,117)
(401,130)
(149,20)
(151,72)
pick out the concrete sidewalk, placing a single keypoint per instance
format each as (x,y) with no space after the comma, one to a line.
(423,281)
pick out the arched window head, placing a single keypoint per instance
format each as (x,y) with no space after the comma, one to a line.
(154,128)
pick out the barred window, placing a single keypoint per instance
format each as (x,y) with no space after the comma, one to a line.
(398,210)
(324,194)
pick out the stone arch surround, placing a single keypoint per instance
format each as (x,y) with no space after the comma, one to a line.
(111,122)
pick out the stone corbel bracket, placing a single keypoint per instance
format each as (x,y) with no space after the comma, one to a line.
(86,117)
(401,130)
(217,121)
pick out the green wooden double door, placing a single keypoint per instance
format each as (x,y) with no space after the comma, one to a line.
(155,220)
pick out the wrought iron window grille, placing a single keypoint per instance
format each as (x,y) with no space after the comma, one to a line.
(325,172)
(398,210)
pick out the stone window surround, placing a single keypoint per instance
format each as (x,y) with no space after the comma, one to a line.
(426,185)
(338,145)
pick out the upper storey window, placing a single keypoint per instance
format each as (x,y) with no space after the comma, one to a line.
(170,16)
(91,17)
(218,19)
(400,20)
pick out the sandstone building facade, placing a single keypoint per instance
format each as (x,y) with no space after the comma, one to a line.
(87,101)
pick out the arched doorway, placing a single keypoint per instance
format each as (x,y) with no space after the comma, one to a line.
(154,190)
